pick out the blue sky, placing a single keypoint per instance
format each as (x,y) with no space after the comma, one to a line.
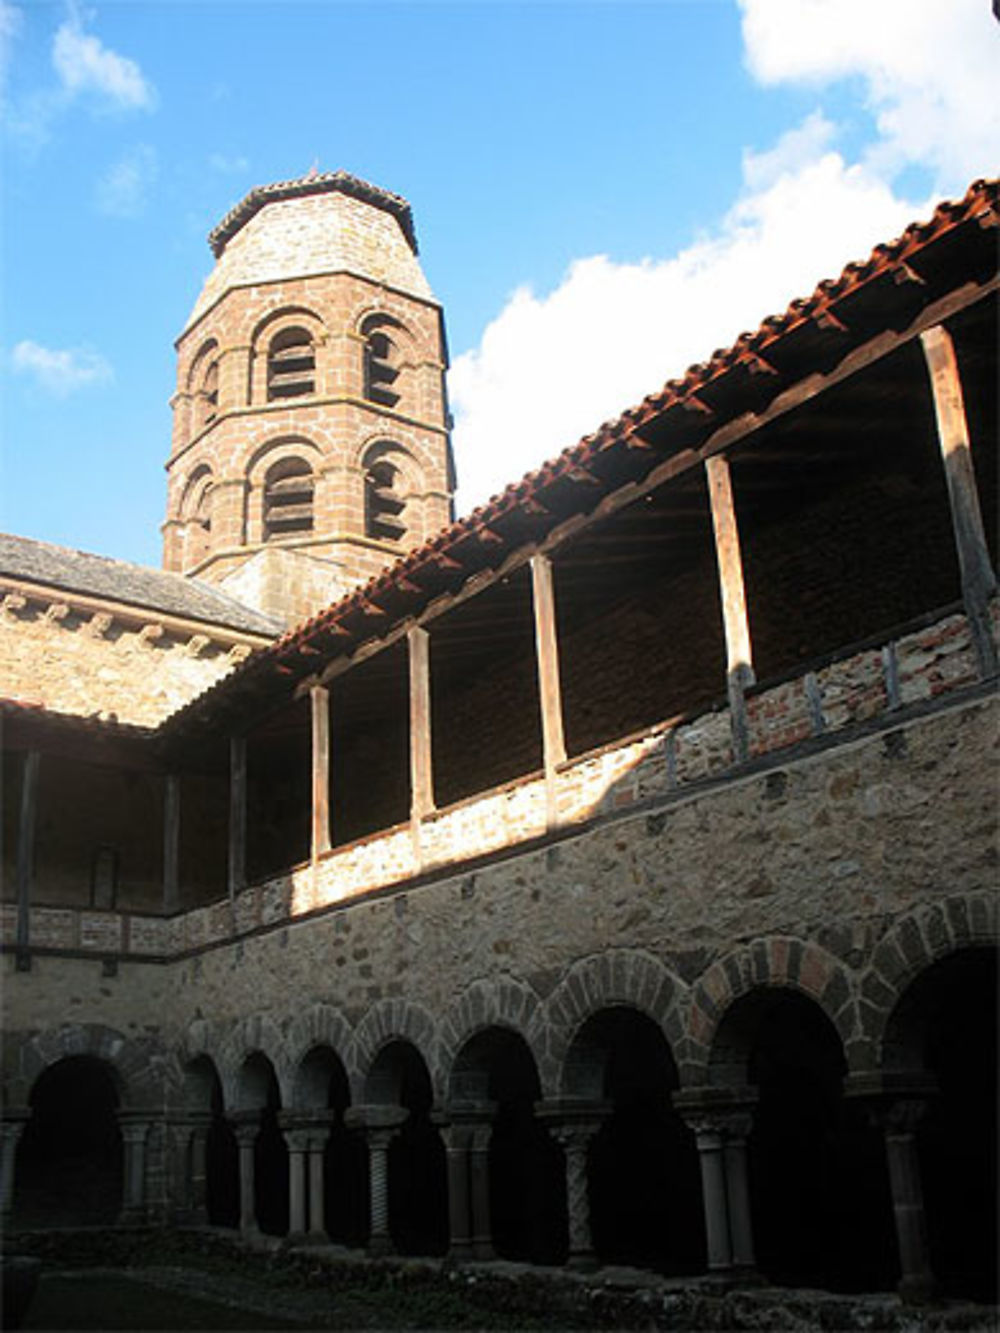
(604,192)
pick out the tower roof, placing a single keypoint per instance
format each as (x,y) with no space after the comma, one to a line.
(341,182)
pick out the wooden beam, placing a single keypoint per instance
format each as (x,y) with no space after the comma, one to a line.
(979,582)
(26,853)
(549,691)
(739,656)
(319,708)
(864,355)
(171,841)
(421,760)
(237,815)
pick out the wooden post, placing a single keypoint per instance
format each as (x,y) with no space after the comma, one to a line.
(421,758)
(739,657)
(26,854)
(978,579)
(237,815)
(319,701)
(171,842)
(549,690)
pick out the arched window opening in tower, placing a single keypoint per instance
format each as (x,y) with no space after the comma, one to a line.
(381,362)
(384,504)
(291,365)
(288,499)
(210,394)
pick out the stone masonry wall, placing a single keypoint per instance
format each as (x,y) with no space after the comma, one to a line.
(821,861)
(96,664)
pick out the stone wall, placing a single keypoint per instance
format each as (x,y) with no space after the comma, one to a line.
(125,665)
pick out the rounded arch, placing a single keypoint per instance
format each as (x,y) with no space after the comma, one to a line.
(913,944)
(206,349)
(502,1003)
(777,961)
(202,385)
(137,1067)
(319,1025)
(388,362)
(617,977)
(202,1086)
(392,1020)
(196,513)
(282,476)
(256,1034)
(283,354)
(70,1159)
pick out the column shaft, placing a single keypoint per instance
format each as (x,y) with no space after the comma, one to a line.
(421,758)
(479,1191)
(713,1190)
(246,1136)
(738,1200)
(916,1279)
(317,1188)
(26,849)
(296,1186)
(171,841)
(319,703)
(237,815)
(379,1240)
(459,1223)
(739,657)
(978,578)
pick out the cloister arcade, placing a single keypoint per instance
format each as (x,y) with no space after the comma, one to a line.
(775,1152)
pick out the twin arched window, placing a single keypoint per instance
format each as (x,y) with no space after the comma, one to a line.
(291,365)
(288,499)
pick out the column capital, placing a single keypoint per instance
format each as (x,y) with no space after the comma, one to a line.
(14,1120)
(246,1126)
(573,1122)
(893,1100)
(376,1119)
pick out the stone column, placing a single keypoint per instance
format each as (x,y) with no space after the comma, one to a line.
(319,712)
(194,1125)
(381,1124)
(457,1139)
(479,1191)
(899,1122)
(575,1141)
(721,1132)
(298,1148)
(379,1240)
(134,1130)
(737,1129)
(247,1126)
(713,1192)
(317,1186)
(11,1129)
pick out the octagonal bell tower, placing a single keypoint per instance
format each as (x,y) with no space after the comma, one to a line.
(311,433)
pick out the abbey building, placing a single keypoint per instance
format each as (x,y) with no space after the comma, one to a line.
(607,876)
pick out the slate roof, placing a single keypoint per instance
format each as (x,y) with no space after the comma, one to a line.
(326,183)
(156,590)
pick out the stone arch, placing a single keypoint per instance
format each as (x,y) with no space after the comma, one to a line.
(502,1003)
(618,977)
(254,1035)
(273,325)
(195,513)
(137,1067)
(918,940)
(778,960)
(284,449)
(387,1021)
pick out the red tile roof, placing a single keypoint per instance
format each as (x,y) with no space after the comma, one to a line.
(888,289)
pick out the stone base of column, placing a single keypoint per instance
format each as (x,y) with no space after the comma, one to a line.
(584,1261)
(483,1251)
(379,1247)
(917,1289)
(460,1252)
(132,1216)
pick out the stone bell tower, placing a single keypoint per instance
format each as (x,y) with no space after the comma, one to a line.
(310,441)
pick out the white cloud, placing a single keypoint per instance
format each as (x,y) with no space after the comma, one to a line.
(551,367)
(123,189)
(85,65)
(929,70)
(11,21)
(60,371)
(611,333)
(228,165)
